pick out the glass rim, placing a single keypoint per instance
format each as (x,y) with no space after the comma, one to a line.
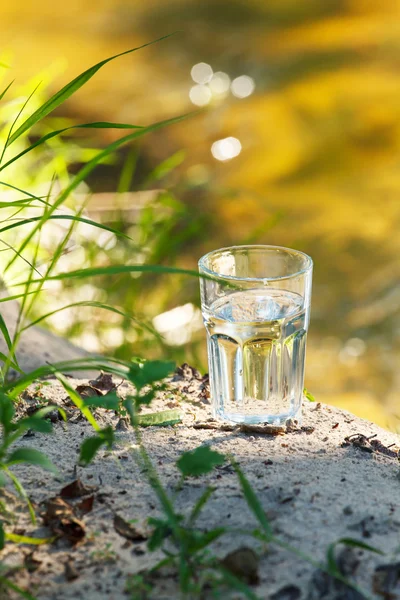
(309,263)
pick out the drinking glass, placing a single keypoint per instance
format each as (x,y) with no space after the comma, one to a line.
(256,309)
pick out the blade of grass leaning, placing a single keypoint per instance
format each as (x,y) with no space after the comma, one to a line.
(24,539)
(95,304)
(9,247)
(5,358)
(165,167)
(15,588)
(21,491)
(128,171)
(117,270)
(63,218)
(14,297)
(23,202)
(161,419)
(56,255)
(4,92)
(88,168)
(48,136)
(17,189)
(27,297)
(201,502)
(252,500)
(78,401)
(330,553)
(15,121)
(6,335)
(11,358)
(115,366)
(71,87)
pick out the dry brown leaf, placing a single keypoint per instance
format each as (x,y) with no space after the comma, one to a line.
(76,489)
(60,516)
(128,530)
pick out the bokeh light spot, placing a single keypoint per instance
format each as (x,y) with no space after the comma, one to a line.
(220,83)
(243,86)
(226,148)
(201,73)
(200,95)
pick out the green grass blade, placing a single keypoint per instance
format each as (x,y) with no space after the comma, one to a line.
(252,500)
(62,218)
(4,331)
(15,297)
(24,539)
(128,171)
(77,400)
(21,491)
(45,138)
(115,270)
(201,502)
(23,203)
(32,266)
(69,89)
(4,92)
(95,304)
(7,583)
(54,260)
(117,367)
(309,395)
(164,168)
(15,120)
(330,553)
(7,338)
(13,187)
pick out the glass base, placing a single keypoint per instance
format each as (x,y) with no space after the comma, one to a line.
(243,419)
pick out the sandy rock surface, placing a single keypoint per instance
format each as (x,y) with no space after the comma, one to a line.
(314,489)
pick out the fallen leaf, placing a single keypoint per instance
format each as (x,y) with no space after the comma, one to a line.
(243,563)
(128,530)
(76,489)
(86,505)
(60,516)
(103,382)
(88,391)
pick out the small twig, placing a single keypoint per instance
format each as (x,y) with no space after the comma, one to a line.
(244,428)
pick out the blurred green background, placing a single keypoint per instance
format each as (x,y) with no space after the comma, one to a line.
(297,144)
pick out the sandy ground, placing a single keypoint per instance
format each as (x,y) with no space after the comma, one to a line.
(313,489)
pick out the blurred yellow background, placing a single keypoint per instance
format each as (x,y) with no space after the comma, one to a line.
(297,144)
